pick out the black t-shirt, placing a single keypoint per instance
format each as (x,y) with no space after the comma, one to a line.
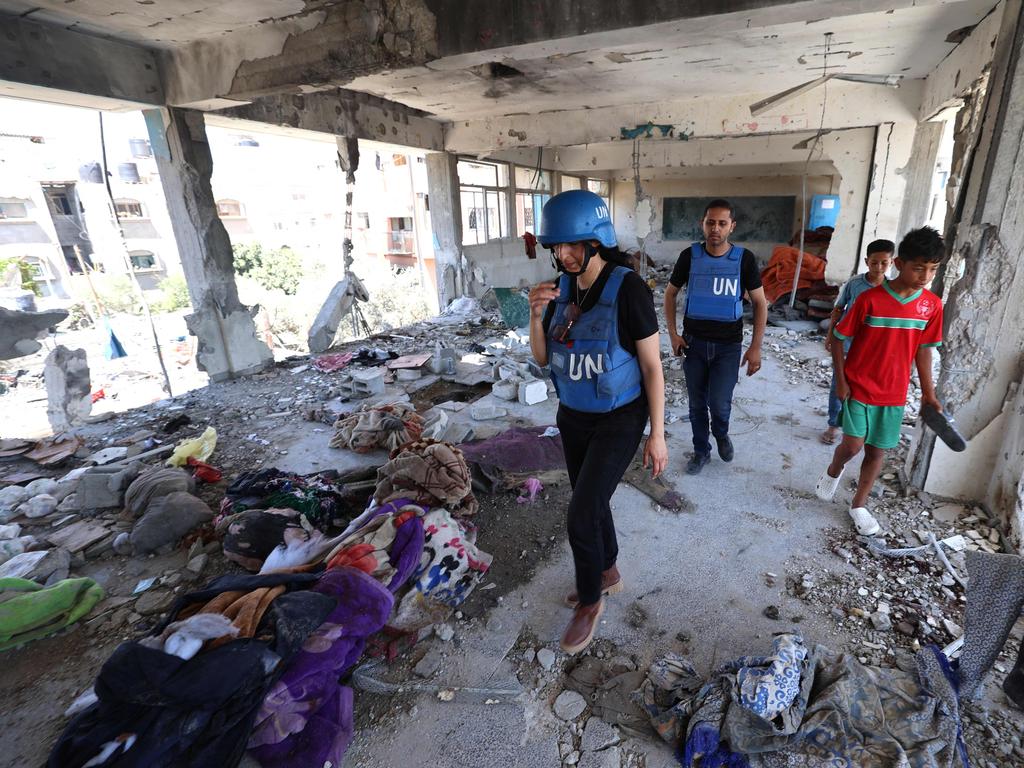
(635,305)
(715,330)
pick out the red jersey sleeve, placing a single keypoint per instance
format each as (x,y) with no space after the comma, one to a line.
(853,319)
(932,334)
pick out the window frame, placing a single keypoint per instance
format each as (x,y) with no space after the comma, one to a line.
(485,193)
(157,267)
(14,201)
(238,203)
(121,216)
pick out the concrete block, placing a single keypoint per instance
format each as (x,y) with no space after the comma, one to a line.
(68,388)
(368,382)
(104,487)
(533,392)
(408,374)
(457,433)
(443,360)
(507,389)
(487,412)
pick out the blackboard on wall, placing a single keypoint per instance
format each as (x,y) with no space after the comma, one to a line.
(758,219)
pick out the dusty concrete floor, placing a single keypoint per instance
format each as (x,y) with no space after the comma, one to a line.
(695,581)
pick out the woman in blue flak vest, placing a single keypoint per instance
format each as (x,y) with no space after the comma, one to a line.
(596,328)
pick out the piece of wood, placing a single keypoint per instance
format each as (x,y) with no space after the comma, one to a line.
(78,536)
(17,478)
(53,451)
(409,361)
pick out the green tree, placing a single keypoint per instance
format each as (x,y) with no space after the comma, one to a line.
(276,270)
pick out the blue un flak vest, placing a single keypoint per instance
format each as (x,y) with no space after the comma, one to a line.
(713,291)
(592,372)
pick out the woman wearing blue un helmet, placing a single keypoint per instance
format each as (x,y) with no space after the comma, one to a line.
(595,327)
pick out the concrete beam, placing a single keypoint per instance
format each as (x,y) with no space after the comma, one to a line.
(324,46)
(848,105)
(446,223)
(56,64)
(958,73)
(344,113)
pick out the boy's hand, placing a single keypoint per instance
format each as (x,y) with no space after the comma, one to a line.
(843,388)
(752,358)
(929,398)
(828,342)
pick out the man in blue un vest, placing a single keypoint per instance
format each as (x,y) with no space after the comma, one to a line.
(716,274)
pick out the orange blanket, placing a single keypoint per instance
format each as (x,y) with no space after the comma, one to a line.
(777,277)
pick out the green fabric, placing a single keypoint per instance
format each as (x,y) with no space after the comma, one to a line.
(899,298)
(879,425)
(29,611)
(895,322)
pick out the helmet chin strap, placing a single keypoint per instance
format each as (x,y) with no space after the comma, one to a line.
(588,252)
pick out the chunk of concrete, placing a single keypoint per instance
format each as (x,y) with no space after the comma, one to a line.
(506,389)
(487,412)
(435,424)
(569,705)
(153,484)
(533,392)
(168,519)
(42,485)
(338,304)
(68,388)
(103,487)
(359,384)
(19,330)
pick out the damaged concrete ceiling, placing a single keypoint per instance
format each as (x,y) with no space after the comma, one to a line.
(701,57)
(737,47)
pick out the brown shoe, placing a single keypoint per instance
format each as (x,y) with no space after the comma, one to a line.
(581,627)
(611,584)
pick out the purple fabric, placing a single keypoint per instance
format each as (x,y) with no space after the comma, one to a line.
(406,551)
(306,719)
(520,449)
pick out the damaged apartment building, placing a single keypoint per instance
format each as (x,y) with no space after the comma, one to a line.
(836,108)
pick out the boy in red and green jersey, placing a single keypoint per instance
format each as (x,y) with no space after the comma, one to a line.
(890,326)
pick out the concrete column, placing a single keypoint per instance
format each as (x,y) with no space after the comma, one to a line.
(918,174)
(446,221)
(228,344)
(893,145)
(983,364)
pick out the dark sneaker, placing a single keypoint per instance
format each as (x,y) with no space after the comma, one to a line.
(696,463)
(1013,687)
(725,449)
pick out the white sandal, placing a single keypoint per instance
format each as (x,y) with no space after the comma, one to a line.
(825,488)
(864,521)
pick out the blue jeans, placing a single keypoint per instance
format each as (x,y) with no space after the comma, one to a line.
(712,370)
(835,405)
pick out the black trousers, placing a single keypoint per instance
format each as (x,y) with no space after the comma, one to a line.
(598,449)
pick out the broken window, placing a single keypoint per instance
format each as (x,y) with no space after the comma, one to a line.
(143,260)
(127,208)
(59,203)
(41,274)
(571,182)
(400,235)
(533,189)
(13,209)
(363,220)
(228,208)
(484,198)
(398,160)
(71,259)
(603,189)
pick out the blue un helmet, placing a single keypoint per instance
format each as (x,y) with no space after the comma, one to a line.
(576,216)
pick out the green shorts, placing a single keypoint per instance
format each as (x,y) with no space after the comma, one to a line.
(879,425)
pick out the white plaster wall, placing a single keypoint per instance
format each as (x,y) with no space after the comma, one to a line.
(890,167)
(1006,489)
(662,250)
(504,264)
